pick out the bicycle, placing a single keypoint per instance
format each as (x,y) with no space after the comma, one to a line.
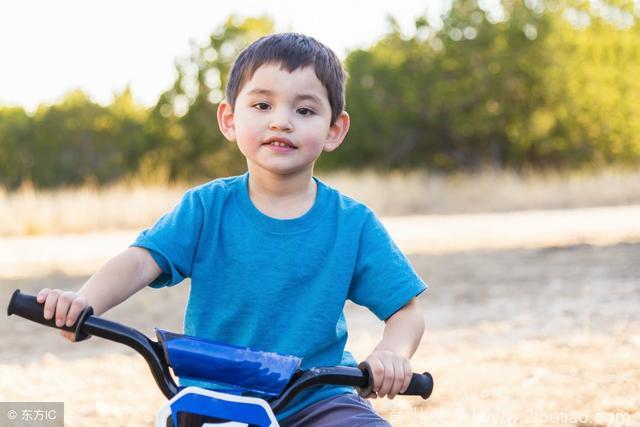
(263,382)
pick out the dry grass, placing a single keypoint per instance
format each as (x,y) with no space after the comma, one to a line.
(490,191)
(75,210)
(133,205)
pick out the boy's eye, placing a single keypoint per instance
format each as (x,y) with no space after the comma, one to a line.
(261,106)
(305,111)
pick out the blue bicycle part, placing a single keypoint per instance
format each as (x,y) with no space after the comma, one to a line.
(245,369)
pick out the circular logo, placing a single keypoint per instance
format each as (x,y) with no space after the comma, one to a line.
(12,415)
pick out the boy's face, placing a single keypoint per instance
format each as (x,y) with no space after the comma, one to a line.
(282,120)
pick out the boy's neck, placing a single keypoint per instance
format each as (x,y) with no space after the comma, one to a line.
(282,197)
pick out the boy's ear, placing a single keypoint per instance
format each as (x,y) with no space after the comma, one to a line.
(225,121)
(337,132)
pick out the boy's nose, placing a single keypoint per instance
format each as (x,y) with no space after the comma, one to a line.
(280,122)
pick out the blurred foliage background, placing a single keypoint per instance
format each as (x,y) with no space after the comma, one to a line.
(532,85)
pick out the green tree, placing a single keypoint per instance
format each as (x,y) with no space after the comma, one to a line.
(73,142)
(543,84)
(16,157)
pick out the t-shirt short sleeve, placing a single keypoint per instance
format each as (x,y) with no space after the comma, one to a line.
(384,280)
(173,240)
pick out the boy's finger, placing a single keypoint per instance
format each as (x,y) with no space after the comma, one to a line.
(78,304)
(68,335)
(377,369)
(408,374)
(42,295)
(50,303)
(398,378)
(64,302)
(387,380)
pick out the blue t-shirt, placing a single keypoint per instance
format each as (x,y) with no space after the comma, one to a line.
(279,285)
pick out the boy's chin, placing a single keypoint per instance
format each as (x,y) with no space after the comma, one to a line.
(283,171)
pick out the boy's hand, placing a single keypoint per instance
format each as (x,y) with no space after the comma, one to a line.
(391,373)
(66,306)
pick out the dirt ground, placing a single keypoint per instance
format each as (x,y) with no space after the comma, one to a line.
(542,336)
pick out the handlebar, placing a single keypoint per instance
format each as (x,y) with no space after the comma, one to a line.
(27,307)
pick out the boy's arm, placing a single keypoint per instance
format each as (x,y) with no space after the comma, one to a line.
(390,359)
(121,277)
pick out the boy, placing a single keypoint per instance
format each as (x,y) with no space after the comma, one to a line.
(274,254)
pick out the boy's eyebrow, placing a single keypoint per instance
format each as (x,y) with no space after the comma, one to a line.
(301,97)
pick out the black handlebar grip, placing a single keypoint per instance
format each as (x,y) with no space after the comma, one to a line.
(28,307)
(420,385)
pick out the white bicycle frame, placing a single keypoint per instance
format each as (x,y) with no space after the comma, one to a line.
(213,403)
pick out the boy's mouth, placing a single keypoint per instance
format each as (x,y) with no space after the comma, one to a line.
(280,142)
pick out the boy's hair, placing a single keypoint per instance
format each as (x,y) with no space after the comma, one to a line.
(292,51)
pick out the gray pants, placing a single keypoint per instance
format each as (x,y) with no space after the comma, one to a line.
(342,410)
